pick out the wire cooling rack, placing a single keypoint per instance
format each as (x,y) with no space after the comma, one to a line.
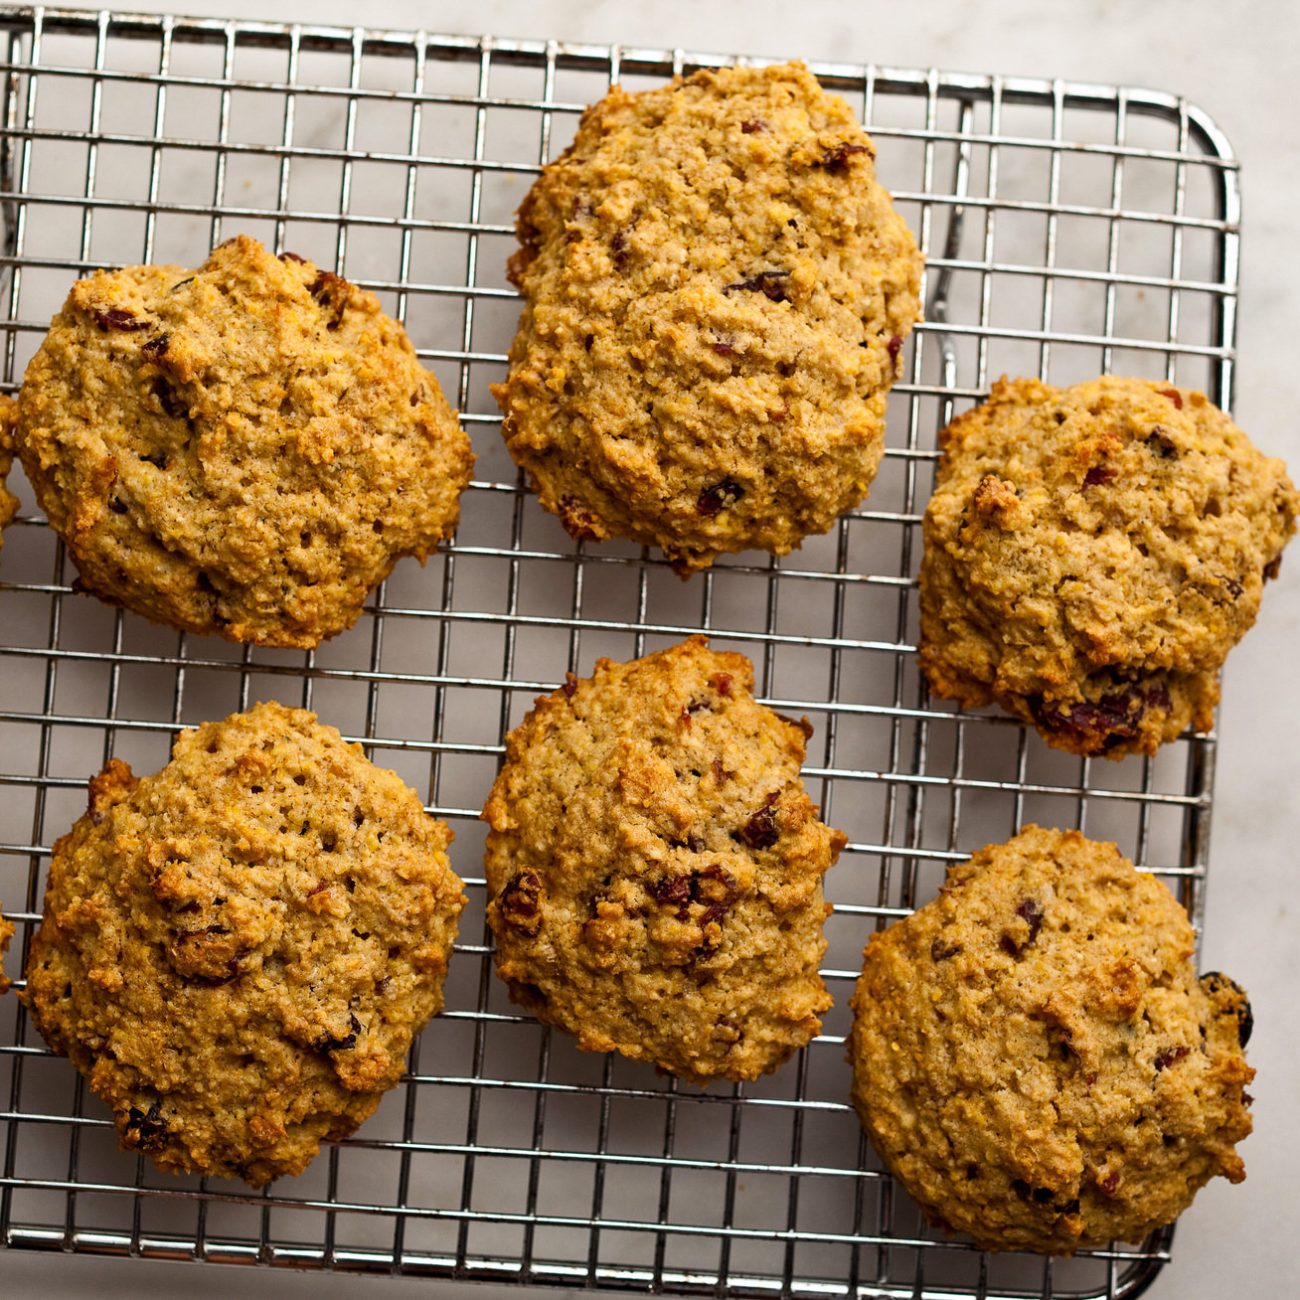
(1071,229)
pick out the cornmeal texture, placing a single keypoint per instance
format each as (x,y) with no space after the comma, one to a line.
(655,867)
(716,294)
(245,450)
(6,933)
(1034,1057)
(8,502)
(1091,556)
(238,951)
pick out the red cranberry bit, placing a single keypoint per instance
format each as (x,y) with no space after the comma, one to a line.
(344,1043)
(721,682)
(156,347)
(146,1129)
(1169,1055)
(1110,1184)
(1174,396)
(894,346)
(570,687)
(331,291)
(836,162)
(761,830)
(752,126)
(719,497)
(1099,476)
(1113,717)
(287,256)
(673,891)
(768,283)
(724,349)
(119,318)
(520,902)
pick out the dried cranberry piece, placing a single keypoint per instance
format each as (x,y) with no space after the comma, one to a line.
(753,125)
(520,902)
(327,1043)
(761,830)
(1169,1055)
(331,291)
(1111,719)
(1099,476)
(1214,982)
(836,162)
(940,951)
(147,1130)
(1110,1184)
(570,687)
(168,399)
(119,318)
(768,283)
(1029,910)
(1157,697)
(1174,396)
(724,349)
(719,497)
(1273,567)
(287,256)
(157,346)
(894,346)
(673,891)
(721,682)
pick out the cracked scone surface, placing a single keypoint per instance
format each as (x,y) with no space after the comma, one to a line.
(655,867)
(1034,1057)
(8,502)
(1091,556)
(238,951)
(716,293)
(244,450)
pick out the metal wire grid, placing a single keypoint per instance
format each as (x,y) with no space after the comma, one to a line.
(1070,229)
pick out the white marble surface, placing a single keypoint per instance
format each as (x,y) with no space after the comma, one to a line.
(1232,60)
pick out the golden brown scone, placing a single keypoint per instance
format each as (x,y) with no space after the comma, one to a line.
(1091,556)
(655,867)
(8,502)
(716,293)
(238,950)
(245,450)
(6,933)
(1034,1057)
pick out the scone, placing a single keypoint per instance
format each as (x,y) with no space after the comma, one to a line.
(1091,556)
(655,868)
(6,933)
(8,502)
(245,450)
(238,950)
(716,294)
(1034,1057)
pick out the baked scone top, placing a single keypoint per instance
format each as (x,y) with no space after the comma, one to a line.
(716,291)
(1093,553)
(655,867)
(8,502)
(238,950)
(245,449)
(1034,1057)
